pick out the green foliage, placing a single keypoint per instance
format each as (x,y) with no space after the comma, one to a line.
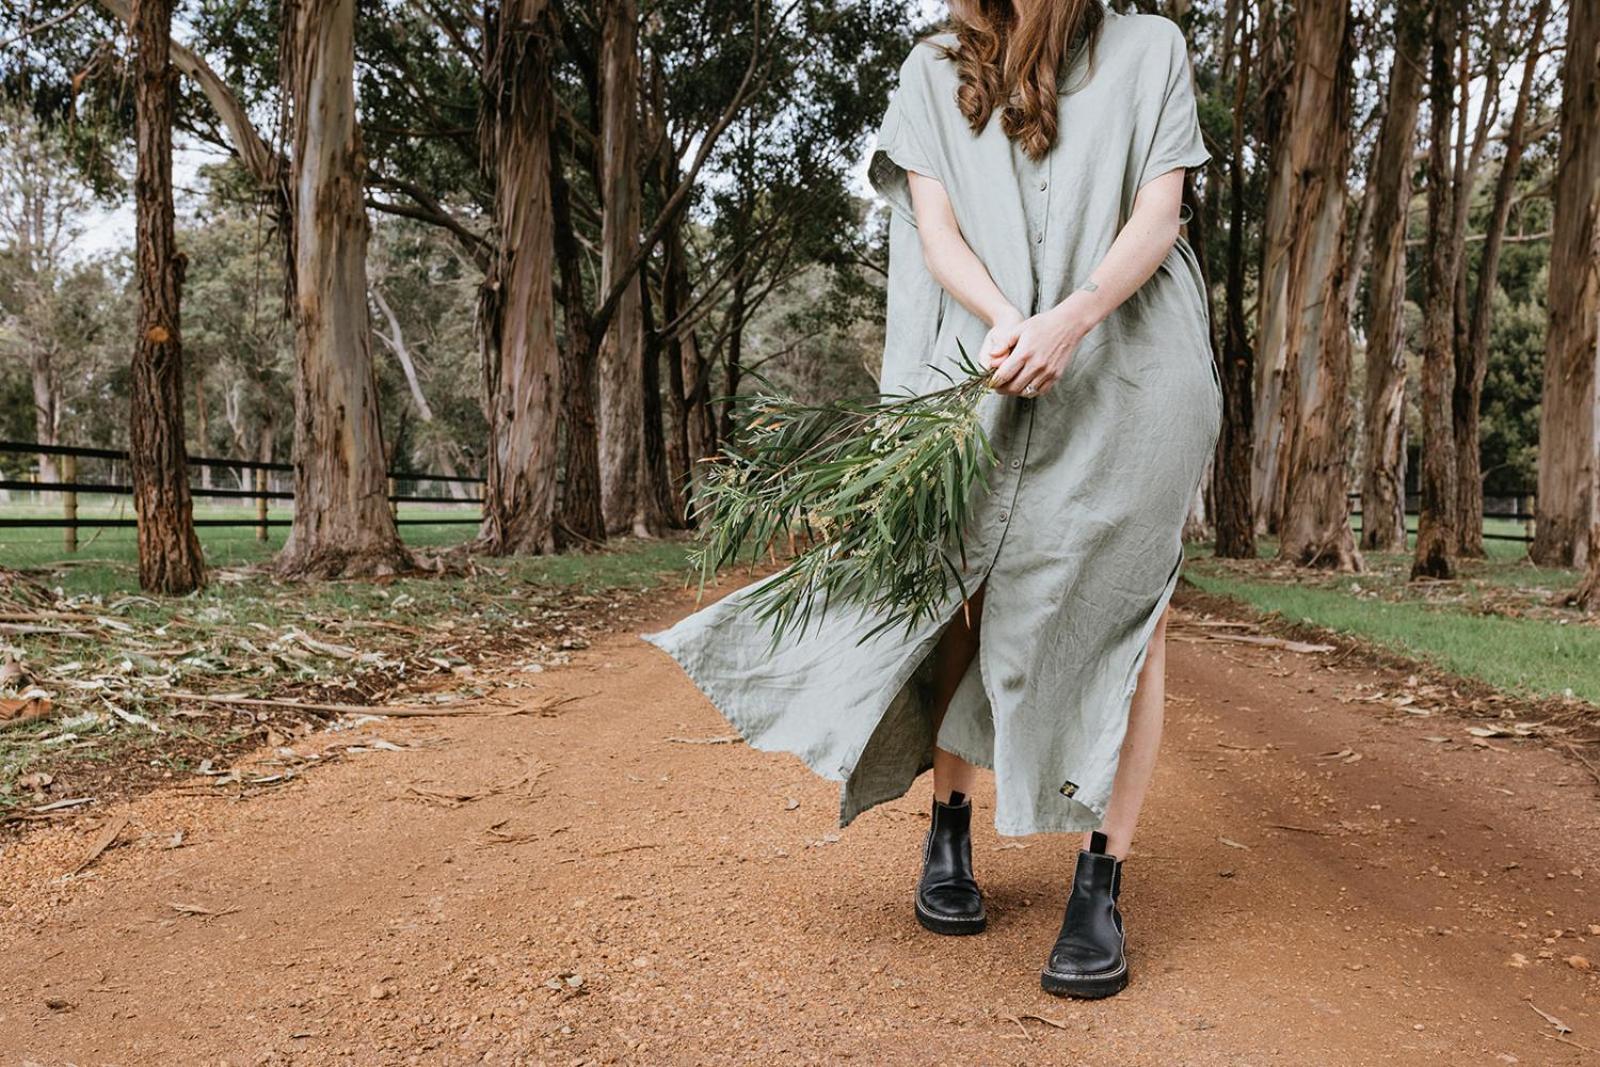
(1548,657)
(882,489)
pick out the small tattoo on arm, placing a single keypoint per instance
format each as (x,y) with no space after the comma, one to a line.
(1089,287)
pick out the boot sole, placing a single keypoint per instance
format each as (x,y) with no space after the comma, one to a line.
(1085,986)
(951,927)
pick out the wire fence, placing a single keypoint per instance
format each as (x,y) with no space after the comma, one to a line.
(255,482)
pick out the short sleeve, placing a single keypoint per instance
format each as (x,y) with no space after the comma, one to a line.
(905,140)
(1175,141)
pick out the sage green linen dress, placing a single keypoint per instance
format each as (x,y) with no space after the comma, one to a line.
(1078,530)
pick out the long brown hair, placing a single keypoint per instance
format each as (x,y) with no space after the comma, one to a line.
(1011,60)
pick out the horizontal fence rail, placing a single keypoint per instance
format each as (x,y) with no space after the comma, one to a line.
(1523,513)
(261,492)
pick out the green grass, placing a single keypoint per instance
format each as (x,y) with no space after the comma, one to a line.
(1496,548)
(1500,621)
(225,546)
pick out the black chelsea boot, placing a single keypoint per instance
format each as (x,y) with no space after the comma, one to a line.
(948,901)
(1087,960)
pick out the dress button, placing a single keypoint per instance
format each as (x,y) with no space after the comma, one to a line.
(1038,238)
(1005,516)
(1043,185)
(1016,463)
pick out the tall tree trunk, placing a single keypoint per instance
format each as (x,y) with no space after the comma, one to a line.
(202,425)
(624,500)
(579,519)
(657,483)
(170,560)
(1272,315)
(700,413)
(1383,479)
(46,410)
(1436,538)
(396,340)
(517,315)
(1233,515)
(1472,363)
(1316,415)
(733,355)
(1568,524)
(675,298)
(342,523)
(674,288)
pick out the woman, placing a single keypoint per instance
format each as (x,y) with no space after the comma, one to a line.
(1034,162)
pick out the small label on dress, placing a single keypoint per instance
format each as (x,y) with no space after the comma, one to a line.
(1069,789)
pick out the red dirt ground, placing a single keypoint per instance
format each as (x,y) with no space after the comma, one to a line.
(1318,880)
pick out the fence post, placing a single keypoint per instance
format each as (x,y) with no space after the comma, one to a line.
(69,501)
(261,505)
(1529,507)
(394,505)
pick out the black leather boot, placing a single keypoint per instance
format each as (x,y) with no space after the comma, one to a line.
(1088,960)
(948,901)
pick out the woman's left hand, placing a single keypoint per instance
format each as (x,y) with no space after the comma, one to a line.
(1040,357)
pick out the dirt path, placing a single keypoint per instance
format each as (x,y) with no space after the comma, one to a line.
(576,886)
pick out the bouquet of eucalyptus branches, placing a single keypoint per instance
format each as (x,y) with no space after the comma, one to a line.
(878,490)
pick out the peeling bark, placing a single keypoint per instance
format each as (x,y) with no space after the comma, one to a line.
(1316,416)
(1383,478)
(521,364)
(579,520)
(1568,524)
(1232,507)
(625,502)
(1271,307)
(343,526)
(170,559)
(1436,538)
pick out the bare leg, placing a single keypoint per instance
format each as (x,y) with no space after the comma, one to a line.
(952,655)
(1137,764)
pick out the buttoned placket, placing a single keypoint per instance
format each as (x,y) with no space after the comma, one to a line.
(1008,493)
(1023,407)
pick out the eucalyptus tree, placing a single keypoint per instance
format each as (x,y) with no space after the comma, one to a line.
(517,311)
(42,212)
(170,559)
(781,202)
(234,324)
(1391,183)
(1232,504)
(343,525)
(1472,365)
(1436,536)
(1315,412)
(1568,524)
(342,522)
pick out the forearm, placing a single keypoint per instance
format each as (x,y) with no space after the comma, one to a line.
(956,267)
(1044,344)
(951,261)
(1134,256)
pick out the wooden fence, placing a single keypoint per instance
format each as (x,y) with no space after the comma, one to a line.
(261,493)
(255,472)
(1522,510)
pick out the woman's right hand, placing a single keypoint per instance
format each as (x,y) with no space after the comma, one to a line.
(1001,338)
